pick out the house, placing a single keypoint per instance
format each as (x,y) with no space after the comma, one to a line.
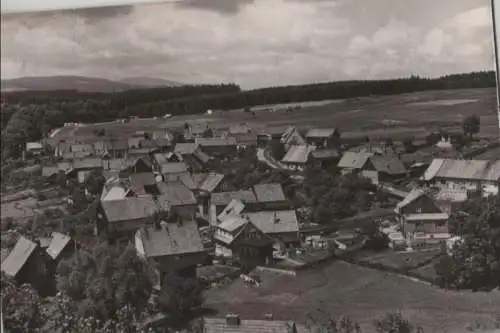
(193,132)
(233,323)
(219,201)
(34,148)
(118,147)
(116,189)
(192,155)
(323,137)
(82,168)
(134,141)
(60,247)
(206,184)
(126,215)
(163,158)
(143,183)
(282,226)
(238,238)
(179,199)
(176,248)
(184,177)
(292,137)
(419,212)
(270,197)
(218,146)
(464,175)
(27,263)
(377,168)
(325,158)
(245,140)
(296,157)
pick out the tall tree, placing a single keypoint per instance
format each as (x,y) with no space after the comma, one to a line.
(471,125)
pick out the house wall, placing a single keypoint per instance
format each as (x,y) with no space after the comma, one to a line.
(429,227)
(372,175)
(223,251)
(177,263)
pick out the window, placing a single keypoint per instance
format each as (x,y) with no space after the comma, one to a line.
(419,210)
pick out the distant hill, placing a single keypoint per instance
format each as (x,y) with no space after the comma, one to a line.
(81,84)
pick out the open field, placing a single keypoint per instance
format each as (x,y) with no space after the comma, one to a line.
(399,260)
(379,116)
(360,293)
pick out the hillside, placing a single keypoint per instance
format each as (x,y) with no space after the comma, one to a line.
(81,84)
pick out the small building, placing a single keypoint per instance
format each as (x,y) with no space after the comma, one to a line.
(61,246)
(27,263)
(245,140)
(296,157)
(238,238)
(82,168)
(126,215)
(323,137)
(419,212)
(325,158)
(480,176)
(270,134)
(176,248)
(179,198)
(218,146)
(219,201)
(233,323)
(377,168)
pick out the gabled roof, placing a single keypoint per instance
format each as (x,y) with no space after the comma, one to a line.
(219,325)
(388,164)
(216,142)
(18,257)
(463,169)
(269,193)
(324,154)
(176,167)
(234,208)
(354,160)
(57,244)
(224,198)
(87,163)
(183,177)
(211,181)
(132,208)
(232,223)
(171,239)
(176,194)
(411,197)
(298,154)
(185,148)
(320,132)
(275,222)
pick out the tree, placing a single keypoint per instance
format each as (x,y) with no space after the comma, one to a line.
(94,182)
(395,323)
(21,308)
(471,125)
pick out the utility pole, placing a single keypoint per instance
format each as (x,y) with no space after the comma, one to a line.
(497,65)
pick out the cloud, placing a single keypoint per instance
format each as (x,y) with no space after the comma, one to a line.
(251,42)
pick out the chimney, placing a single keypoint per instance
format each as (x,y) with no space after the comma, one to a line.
(268,316)
(232,319)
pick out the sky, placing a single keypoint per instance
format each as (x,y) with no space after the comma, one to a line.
(254,43)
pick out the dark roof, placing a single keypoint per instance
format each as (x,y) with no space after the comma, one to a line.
(171,239)
(139,181)
(324,154)
(216,142)
(224,198)
(87,163)
(18,257)
(320,132)
(173,168)
(132,208)
(269,193)
(388,164)
(219,325)
(210,182)
(176,193)
(57,244)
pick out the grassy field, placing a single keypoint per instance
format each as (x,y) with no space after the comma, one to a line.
(378,116)
(399,260)
(362,294)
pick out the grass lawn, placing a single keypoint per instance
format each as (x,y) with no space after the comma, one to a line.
(360,293)
(400,260)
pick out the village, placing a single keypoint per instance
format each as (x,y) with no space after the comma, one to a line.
(219,204)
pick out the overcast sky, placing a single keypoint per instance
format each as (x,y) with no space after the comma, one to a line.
(253,43)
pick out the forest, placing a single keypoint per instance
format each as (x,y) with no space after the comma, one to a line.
(30,115)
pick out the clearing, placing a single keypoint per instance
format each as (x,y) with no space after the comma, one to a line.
(360,293)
